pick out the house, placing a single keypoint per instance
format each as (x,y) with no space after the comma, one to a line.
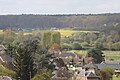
(87,72)
(114,66)
(88,60)
(83,74)
(91,68)
(91,76)
(68,56)
(58,62)
(1,60)
(5,78)
(5,59)
(61,74)
(2,49)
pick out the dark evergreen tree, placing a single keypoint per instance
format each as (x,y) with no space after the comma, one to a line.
(96,54)
(24,65)
(29,59)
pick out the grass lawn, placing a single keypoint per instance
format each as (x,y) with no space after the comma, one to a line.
(116,78)
(109,54)
(81,52)
(1,31)
(112,55)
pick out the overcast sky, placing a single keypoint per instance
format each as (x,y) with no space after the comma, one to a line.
(59,6)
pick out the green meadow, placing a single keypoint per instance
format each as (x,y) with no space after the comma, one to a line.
(108,54)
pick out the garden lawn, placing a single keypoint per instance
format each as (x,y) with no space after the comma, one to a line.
(80,52)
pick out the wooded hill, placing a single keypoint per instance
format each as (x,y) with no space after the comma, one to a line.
(76,21)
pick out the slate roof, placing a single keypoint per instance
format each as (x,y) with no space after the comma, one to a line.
(82,72)
(115,66)
(111,62)
(6,58)
(5,78)
(2,49)
(90,74)
(91,66)
(66,54)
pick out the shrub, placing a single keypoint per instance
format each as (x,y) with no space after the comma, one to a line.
(76,46)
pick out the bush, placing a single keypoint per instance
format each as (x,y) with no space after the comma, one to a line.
(116,46)
(85,44)
(76,46)
(96,54)
(66,47)
(106,73)
(43,76)
(6,72)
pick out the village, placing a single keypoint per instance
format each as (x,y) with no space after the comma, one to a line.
(69,65)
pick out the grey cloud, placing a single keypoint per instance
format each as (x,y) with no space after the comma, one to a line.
(58,6)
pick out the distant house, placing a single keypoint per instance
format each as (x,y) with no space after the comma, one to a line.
(61,74)
(94,67)
(114,66)
(5,78)
(58,62)
(87,72)
(91,76)
(88,76)
(7,60)
(2,49)
(67,56)
(88,60)
(91,68)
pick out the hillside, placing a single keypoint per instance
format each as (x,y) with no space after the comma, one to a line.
(80,21)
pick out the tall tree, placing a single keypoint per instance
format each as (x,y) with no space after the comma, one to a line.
(46,41)
(23,62)
(96,54)
(56,37)
(29,58)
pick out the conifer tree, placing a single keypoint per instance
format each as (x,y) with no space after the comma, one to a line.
(24,65)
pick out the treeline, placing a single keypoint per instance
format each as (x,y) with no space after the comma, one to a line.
(46,38)
(102,22)
(102,41)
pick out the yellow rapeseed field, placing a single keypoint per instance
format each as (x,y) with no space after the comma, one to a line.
(70,32)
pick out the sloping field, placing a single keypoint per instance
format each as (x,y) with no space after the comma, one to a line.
(108,54)
(112,55)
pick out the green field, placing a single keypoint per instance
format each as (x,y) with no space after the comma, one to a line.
(108,54)
(1,31)
(112,55)
(116,78)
